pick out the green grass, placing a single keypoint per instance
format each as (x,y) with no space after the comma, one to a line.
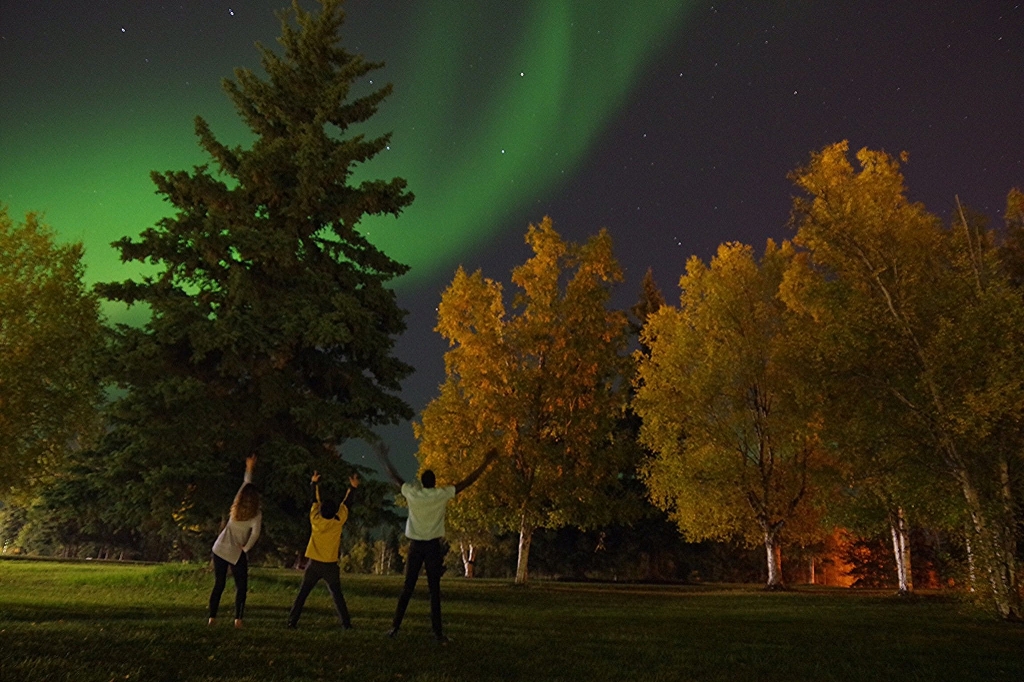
(91,621)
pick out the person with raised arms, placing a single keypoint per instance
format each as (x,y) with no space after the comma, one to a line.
(234,542)
(425,527)
(326,519)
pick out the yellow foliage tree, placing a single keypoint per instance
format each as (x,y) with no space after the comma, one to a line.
(725,406)
(942,326)
(545,385)
(49,335)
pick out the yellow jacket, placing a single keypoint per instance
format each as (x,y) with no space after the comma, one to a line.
(325,538)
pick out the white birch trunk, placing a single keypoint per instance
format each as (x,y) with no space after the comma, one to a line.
(971,575)
(990,545)
(901,549)
(525,538)
(773,550)
(468,550)
(1010,537)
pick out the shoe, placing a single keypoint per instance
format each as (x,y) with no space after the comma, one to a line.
(212,621)
(291,626)
(347,626)
(392,633)
(238,623)
(441,639)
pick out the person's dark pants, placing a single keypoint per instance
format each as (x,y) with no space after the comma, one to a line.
(331,575)
(423,553)
(240,571)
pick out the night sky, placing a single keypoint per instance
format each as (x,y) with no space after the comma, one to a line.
(672,124)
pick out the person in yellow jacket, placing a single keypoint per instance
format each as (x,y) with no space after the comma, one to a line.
(327,518)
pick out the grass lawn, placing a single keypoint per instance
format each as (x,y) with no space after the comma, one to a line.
(100,621)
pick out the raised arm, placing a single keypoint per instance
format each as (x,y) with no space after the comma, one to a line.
(471,479)
(351,494)
(314,484)
(382,453)
(250,466)
(254,534)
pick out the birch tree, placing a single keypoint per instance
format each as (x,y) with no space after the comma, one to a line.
(50,334)
(883,477)
(725,406)
(945,325)
(545,383)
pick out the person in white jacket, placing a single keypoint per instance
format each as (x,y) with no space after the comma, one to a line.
(425,528)
(234,542)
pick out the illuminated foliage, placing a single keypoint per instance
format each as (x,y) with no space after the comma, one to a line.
(49,335)
(725,404)
(545,385)
(940,331)
(883,481)
(271,324)
(1012,250)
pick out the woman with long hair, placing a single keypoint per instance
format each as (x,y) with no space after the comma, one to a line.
(234,542)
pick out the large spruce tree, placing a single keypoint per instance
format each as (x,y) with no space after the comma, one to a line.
(271,326)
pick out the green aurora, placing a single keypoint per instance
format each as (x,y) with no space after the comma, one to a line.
(491,110)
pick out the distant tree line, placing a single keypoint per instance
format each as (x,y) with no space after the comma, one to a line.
(854,394)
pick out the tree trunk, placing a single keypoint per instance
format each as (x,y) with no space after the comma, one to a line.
(811,580)
(1009,526)
(525,538)
(383,560)
(990,545)
(972,576)
(773,550)
(468,550)
(901,549)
